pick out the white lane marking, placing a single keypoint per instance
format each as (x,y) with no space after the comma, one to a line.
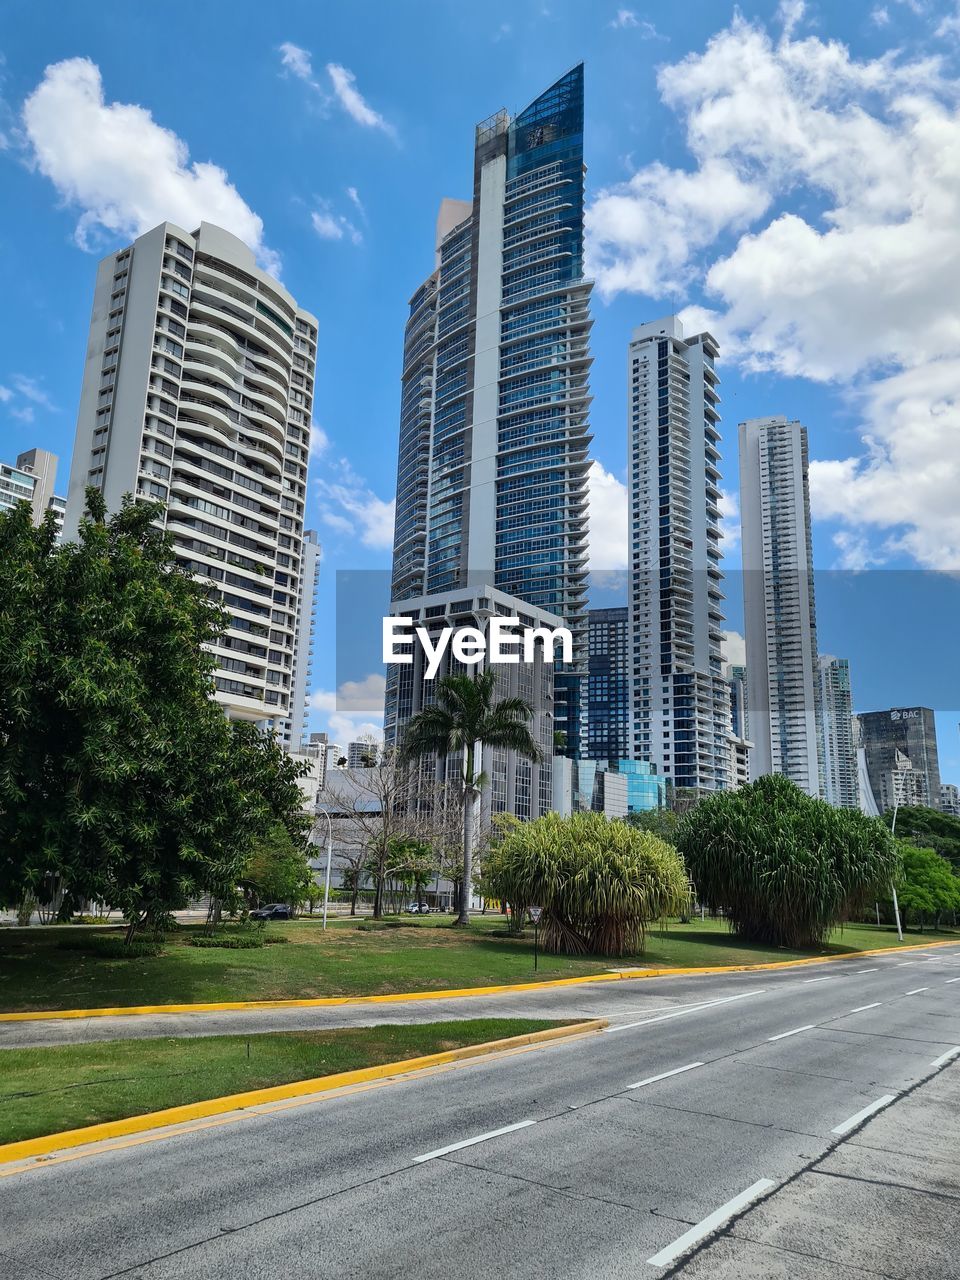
(829,978)
(472,1142)
(916,991)
(716,1219)
(862,1007)
(862,1115)
(664,1075)
(949,980)
(875,969)
(795,1032)
(946,1057)
(690,1008)
(902,964)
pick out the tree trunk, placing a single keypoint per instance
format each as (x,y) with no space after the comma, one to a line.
(353,900)
(468,802)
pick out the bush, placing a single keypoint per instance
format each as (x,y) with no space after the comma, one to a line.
(600,883)
(784,868)
(231,941)
(112,946)
(271,939)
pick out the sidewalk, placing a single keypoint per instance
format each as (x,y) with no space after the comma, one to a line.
(883,1203)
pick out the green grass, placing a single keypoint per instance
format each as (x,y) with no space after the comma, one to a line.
(50,1090)
(346,960)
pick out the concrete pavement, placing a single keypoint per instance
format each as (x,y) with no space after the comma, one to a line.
(584,1159)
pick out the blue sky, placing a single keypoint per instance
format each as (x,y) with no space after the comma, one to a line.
(789,176)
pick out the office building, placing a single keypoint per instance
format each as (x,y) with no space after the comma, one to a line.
(583,786)
(950,799)
(492,460)
(740,744)
(646,789)
(32,479)
(515,785)
(197,392)
(780,626)
(293,730)
(608,684)
(900,758)
(839,746)
(680,701)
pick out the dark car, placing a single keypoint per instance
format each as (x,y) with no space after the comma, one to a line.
(272,911)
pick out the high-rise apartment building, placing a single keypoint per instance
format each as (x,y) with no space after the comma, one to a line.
(608,684)
(900,758)
(197,391)
(680,701)
(492,463)
(32,479)
(740,743)
(293,730)
(839,744)
(950,799)
(780,624)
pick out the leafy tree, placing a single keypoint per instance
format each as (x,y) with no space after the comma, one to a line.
(659,822)
(599,882)
(785,868)
(929,828)
(120,778)
(463,718)
(927,886)
(277,869)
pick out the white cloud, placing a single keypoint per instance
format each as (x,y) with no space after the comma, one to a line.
(354,198)
(5,394)
(626,19)
(819,221)
(352,508)
(344,729)
(319,440)
(345,89)
(31,390)
(330,225)
(121,169)
(297,62)
(345,709)
(729,505)
(24,396)
(608,520)
(880,16)
(733,649)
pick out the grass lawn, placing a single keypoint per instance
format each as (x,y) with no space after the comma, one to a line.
(347,960)
(50,1090)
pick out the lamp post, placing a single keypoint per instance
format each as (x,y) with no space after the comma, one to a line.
(893,827)
(326,886)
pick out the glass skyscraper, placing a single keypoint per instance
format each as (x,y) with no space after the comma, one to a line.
(608,684)
(492,465)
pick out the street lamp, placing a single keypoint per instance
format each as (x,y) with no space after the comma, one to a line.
(326,886)
(893,827)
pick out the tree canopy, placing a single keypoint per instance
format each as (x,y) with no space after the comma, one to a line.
(121,780)
(927,885)
(930,829)
(784,867)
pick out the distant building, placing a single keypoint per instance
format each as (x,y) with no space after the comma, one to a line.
(741,745)
(32,480)
(950,799)
(839,747)
(581,786)
(292,730)
(900,758)
(780,624)
(646,789)
(362,755)
(608,684)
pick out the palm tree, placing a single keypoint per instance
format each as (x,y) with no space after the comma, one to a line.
(463,718)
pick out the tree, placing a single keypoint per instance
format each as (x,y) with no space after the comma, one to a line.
(927,885)
(659,822)
(463,718)
(277,869)
(599,882)
(120,778)
(785,868)
(929,828)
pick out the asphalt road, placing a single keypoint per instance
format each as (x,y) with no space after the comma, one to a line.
(749,1094)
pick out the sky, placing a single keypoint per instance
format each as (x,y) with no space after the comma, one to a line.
(785,174)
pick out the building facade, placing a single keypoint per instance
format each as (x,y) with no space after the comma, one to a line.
(839,744)
(197,392)
(950,799)
(292,731)
(680,701)
(492,461)
(780,624)
(740,744)
(32,479)
(608,685)
(900,758)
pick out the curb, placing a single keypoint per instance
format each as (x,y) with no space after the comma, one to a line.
(53,1142)
(456,993)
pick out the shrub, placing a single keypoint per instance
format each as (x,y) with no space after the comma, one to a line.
(784,867)
(112,946)
(600,883)
(230,941)
(271,939)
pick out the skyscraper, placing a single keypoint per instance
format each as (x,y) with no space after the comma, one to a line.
(608,684)
(32,479)
(197,391)
(780,622)
(492,461)
(740,745)
(293,731)
(839,746)
(679,698)
(900,757)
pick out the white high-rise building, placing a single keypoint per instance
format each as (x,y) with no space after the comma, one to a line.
(839,744)
(680,701)
(197,391)
(780,625)
(32,479)
(950,799)
(293,731)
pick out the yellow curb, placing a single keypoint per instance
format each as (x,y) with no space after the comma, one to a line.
(456,993)
(30,1147)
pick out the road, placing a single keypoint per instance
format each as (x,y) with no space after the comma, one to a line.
(606,1156)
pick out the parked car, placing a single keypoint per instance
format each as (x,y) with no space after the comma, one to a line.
(273,911)
(418,908)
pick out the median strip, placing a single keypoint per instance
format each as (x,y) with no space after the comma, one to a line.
(716,1219)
